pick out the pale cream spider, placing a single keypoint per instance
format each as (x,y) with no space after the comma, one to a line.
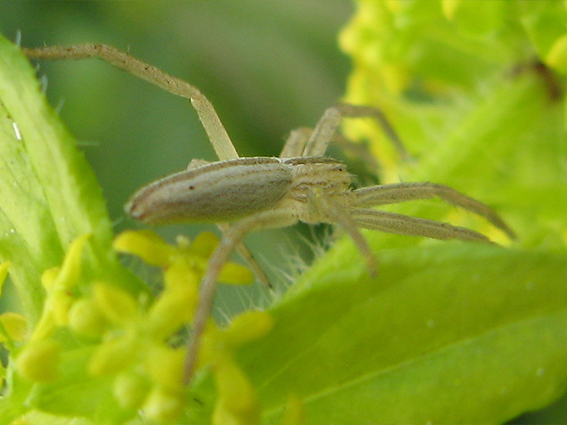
(261,192)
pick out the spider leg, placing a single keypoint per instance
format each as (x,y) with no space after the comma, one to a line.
(231,239)
(247,255)
(340,215)
(401,192)
(327,126)
(295,143)
(412,226)
(209,118)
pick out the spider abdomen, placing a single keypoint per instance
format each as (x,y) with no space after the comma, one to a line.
(218,192)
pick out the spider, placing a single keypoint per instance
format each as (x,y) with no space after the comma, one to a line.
(262,192)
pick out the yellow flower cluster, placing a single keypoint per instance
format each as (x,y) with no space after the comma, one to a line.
(407,54)
(135,340)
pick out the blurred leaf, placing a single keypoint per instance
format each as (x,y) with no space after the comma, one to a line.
(497,134)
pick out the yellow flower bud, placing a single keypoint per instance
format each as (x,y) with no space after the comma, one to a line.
(39,361)
(45,326)
(165,366)
(86,319)
(130,390)
(60,303)
(171,311)
(236,274)
(49,277)
(237,403)
(145,244)
(162,405)
(71,267)
(180,274)
(117,305)
(248,326)
(113,356)
(15,326)
(204,244)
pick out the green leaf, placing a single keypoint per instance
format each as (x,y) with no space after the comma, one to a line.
(49,194)
(48,197)
(448,333)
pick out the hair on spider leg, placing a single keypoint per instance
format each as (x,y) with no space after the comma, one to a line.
(296,258)
(222,308)
(293,259)
(234,300)
(322,237)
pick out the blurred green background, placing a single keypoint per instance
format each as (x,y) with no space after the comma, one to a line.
(268,67)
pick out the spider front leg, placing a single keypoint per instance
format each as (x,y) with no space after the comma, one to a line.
(212,124)
(232,238)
